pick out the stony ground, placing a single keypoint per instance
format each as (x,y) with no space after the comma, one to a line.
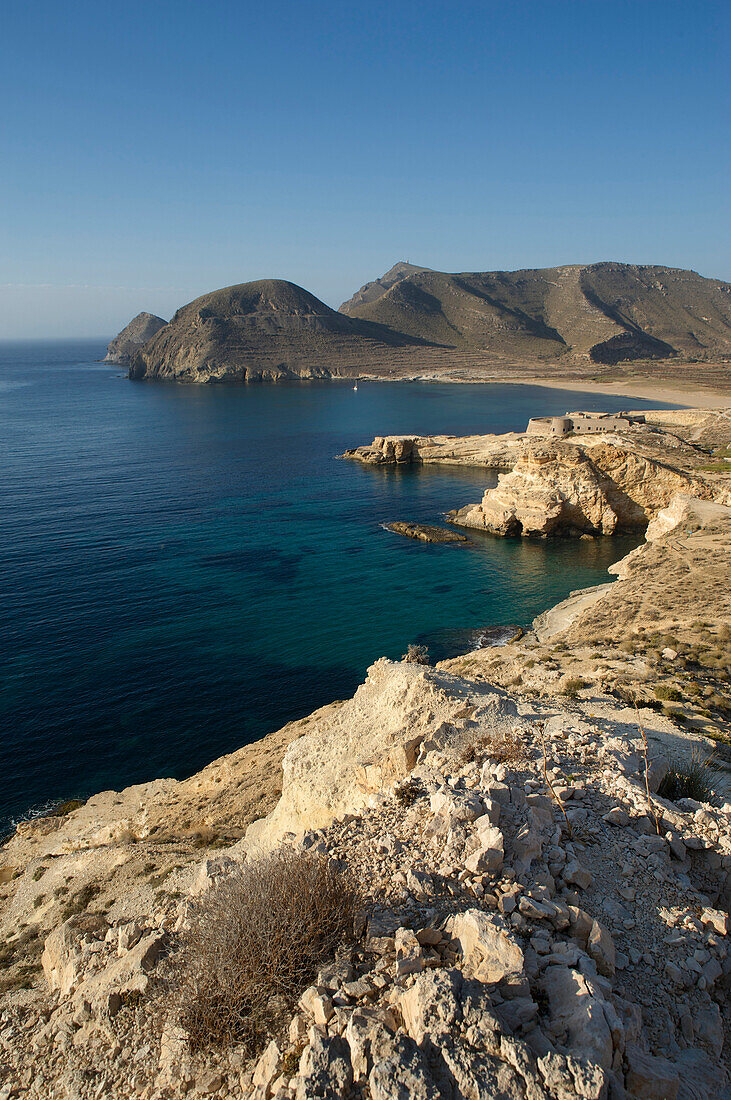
(530,933)
(537,925)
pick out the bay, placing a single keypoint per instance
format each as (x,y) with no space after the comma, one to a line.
(187,568)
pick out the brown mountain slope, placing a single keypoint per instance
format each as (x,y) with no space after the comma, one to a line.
(265,330)
(140,329)
(371,291)
(606,312)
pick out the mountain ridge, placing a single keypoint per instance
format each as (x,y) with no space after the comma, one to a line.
(608,311)
(418,322)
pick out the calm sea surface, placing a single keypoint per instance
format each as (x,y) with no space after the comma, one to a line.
(187,568)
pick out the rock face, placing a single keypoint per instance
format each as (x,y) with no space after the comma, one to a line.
(562,488)
(140,329)
(378,735)
(425,532)
(268,330)
(496,452)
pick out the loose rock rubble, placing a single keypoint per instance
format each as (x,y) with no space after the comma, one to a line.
(536,927)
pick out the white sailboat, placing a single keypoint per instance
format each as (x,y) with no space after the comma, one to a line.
(355,387)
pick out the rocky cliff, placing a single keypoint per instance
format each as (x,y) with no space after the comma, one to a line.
(545,915)
(126,343)
(563,488)
(529,930)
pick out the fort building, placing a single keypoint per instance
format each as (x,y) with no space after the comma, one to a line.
(581,423)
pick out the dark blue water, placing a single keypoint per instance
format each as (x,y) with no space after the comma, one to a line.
(186,568)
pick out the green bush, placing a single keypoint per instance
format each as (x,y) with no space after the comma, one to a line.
(689,780)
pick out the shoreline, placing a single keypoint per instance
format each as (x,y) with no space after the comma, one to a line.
(691,396)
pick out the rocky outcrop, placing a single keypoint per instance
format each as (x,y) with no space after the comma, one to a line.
(370,292)
(126,343)
(372,739)
(425,532)
(497,452)
(563,488)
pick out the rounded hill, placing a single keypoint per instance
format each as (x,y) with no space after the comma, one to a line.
(269,329)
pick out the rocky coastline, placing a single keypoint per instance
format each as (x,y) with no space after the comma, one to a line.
(609,483)
(546,915)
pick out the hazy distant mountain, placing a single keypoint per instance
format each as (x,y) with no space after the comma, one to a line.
(140,329)
(606,312)
(371,291)
(270,329)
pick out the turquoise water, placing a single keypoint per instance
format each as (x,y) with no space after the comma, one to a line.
(187,568)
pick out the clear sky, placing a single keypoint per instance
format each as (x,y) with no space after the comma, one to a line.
(152,151)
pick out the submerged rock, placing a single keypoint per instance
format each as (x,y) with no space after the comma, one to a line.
(425,532)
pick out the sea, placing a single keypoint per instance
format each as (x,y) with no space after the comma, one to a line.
(186,568)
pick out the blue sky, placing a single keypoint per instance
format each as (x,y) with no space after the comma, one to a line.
(152,151)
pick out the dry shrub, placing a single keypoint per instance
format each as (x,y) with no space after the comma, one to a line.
(504,746)
(572,685)
(256,942)
(417,655)
(408,792)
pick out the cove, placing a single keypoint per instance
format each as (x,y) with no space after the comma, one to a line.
(187,568)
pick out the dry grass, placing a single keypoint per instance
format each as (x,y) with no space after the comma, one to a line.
(257,942)
(572,685)
(503,745)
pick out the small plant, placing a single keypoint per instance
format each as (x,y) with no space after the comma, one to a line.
(572,685)
(690,779)
(39,872)
(417,655)
(668,693)
(657,817)
(541,727)
(407,793)
(256,942)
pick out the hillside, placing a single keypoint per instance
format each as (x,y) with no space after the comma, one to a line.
(370,292)
(140,329)
(605,312)
(270,329)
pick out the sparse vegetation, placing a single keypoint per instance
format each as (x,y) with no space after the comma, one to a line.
(417,655)
(256,942)
(668,693)
(408,792)
(689,779)
(572,685)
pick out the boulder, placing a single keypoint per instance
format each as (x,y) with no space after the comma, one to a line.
(650,1078)
(403,1074)
(431,1005)
(577,1011)
(325,1071)
(486,945)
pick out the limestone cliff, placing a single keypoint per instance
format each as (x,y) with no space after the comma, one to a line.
(563,488)
(126,343)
